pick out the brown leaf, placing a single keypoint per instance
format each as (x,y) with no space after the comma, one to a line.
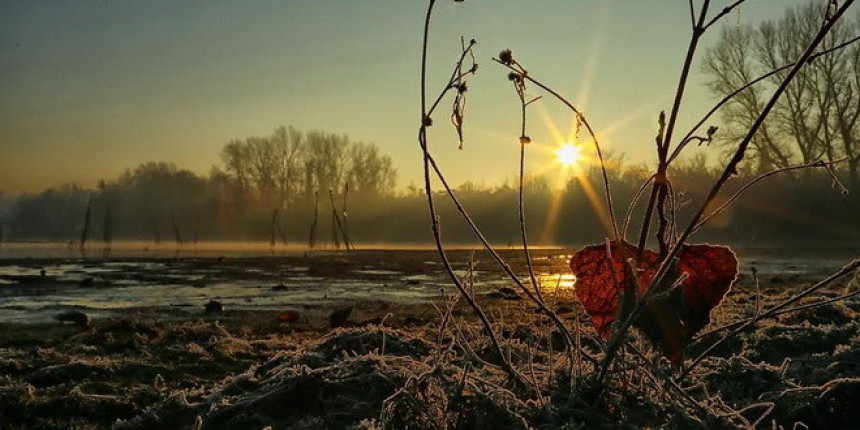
(603,272)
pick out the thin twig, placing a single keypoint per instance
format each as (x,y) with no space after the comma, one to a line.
(726,10)
(758,179)
(658,191)
(782,312)
(580,117)
(848,268)
(692,13)
(434,220)
(620,333)
(498,259)
(519,85)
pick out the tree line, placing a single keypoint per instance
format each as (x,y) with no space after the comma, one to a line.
(159,202)
(286,171)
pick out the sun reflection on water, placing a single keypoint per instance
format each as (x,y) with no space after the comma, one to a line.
(557,281)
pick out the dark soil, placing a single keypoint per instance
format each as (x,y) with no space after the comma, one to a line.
(392,367)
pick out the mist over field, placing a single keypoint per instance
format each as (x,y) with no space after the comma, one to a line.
(237,202)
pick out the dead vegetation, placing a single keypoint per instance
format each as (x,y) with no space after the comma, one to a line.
(208,374)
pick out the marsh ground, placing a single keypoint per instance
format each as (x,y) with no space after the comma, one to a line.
(166,362)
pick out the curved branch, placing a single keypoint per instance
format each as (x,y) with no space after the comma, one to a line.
(434,219)
(632,206)
(758,179)
(521,206)
(578,113)
(848,268)
(726,10)
(501,263)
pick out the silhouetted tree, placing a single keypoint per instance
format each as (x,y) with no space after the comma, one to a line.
(370,172)
(289,166)
(817,117)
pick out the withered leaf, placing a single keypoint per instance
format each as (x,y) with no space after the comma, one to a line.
(603,272)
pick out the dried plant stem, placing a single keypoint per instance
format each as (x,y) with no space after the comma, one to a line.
(656,376)
(434,220)
(782,312)
(443,325)
(659,189)
(426,121)
(726,10)
(523,234)
(738,156)
(584,121)
(848,268)
(760,178)
(692,13)
(632,206)
(524,140)
(619,335)
(501,263)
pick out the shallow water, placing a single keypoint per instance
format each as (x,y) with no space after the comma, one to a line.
(244,278)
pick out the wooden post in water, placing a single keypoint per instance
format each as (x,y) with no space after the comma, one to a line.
(176,233)
(272,233)
(345,223)
(107,233)
(312,237)
(336,223)
(86,229)
(335,220)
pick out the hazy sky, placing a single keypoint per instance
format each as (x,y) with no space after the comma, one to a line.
(89,88)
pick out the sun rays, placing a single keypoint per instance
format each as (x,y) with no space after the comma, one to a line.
(568,154)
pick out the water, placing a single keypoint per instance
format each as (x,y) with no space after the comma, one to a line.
(178,282)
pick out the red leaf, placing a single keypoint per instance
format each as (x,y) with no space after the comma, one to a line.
(671,321)
(712,270)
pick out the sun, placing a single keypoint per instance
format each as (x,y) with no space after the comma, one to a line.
(568,154)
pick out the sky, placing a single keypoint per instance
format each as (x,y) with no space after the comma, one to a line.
(89,88)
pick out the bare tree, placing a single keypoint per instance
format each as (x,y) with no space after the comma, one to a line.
(235,157)
(326,160)
(264,165)
(817,117)
(288,145)
(290,165)
(370,172)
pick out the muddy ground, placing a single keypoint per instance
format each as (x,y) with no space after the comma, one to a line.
(388,364)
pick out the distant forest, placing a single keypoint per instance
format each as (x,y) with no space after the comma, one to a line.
(289,171)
